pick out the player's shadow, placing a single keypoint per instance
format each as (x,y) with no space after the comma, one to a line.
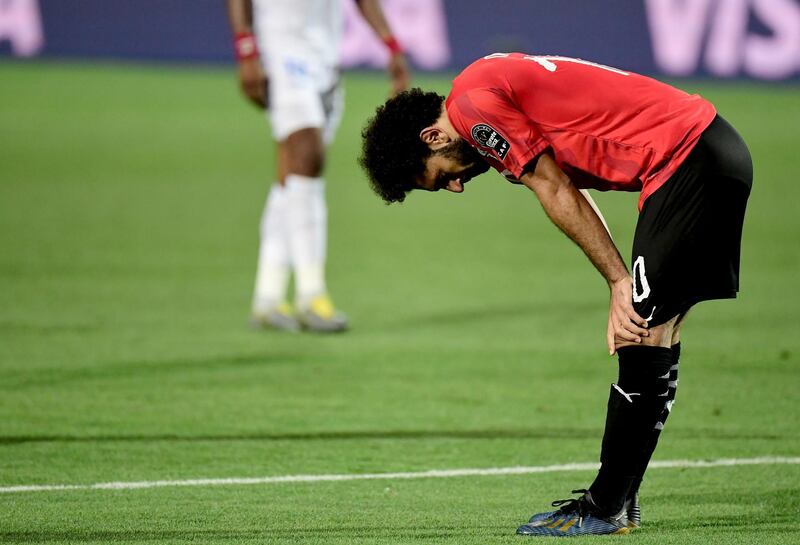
(311,532)
(464,315)
(542,433)
(547,433)
(134,369)
(781,518)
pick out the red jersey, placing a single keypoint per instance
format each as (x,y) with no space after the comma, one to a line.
(608,129)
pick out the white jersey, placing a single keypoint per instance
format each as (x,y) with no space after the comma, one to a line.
(308,30)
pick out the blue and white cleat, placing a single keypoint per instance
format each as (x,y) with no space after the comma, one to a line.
(548,515)
(575,517)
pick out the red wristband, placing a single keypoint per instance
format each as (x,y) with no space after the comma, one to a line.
(392,45)
(245,47)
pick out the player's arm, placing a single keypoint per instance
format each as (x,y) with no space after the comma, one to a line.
(252,79)
(398,66)
(577,218)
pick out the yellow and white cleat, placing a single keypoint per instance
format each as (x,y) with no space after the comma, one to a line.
(321,316)
(281,317)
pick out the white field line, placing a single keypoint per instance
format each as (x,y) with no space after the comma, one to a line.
(432,474)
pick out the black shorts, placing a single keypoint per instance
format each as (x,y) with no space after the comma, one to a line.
(688,238)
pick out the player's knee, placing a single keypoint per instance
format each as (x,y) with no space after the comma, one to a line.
(308,163)
(675,338)
(747,185)
(306,153)
(660,335)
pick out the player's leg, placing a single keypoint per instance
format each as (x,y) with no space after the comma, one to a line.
(635,406)
(299,120)
(634,401)
(307,218)
(316,309)
(632,507)
(270,304)
(307,214)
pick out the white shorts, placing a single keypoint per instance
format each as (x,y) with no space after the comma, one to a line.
(302,94)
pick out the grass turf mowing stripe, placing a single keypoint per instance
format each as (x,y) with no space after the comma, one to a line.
(437,473)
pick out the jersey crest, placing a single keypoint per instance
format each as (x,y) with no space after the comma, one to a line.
(487,137)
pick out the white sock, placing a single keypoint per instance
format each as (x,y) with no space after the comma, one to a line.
(307,219)
(272,274)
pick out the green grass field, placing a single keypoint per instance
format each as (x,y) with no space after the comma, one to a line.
(129,205)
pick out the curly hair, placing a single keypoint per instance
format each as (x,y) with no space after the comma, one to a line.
(392,153)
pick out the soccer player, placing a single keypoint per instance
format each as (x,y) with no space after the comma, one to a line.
(296,77)
(558,125)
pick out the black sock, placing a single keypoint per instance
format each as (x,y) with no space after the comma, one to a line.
(635,405)
(651,446)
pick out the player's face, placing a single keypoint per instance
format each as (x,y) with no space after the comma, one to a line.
(451,166)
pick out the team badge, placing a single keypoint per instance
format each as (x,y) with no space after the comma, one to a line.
(487,137)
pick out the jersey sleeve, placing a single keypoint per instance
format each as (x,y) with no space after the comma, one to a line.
(493,125)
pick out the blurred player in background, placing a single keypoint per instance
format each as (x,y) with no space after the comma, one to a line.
(558,125)
(288,56)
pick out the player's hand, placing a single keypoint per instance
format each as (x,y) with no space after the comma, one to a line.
(624,324)
(399,73)
(253,81)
